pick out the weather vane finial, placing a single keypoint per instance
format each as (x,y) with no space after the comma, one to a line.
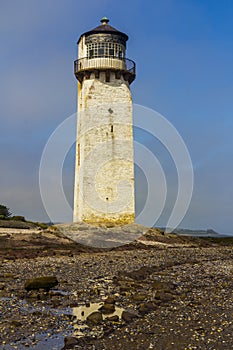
(104,20)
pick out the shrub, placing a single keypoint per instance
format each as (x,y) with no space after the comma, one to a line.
(18,218)
(41,225)
(4,212)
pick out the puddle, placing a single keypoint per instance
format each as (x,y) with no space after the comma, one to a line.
(77,325)
(5,299)
(82,312)
(59,292)
(46,296)
(54,343)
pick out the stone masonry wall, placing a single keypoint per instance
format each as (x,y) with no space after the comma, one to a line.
(104,175)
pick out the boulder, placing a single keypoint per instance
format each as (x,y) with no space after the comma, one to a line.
(107,308)
(110,300)
(114,318)
(46,283)
(70,341)
(139,297)
(128,316)
(145,308)
(95,317)
(165,286)
(164,296)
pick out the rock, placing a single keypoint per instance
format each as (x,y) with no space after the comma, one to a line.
(16,323)
(164,296)
(37,283)
(56,303)
(125,288)
(2,286)
(144,308)
(158,285)
(140,274)
(95,317)
(128,316)
(70,341)
(32,295)
(125,294)
(139,296)
(114,318)
(8,276)
(107,308)
(110,300)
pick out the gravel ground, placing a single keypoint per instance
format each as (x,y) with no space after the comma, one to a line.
(177,297)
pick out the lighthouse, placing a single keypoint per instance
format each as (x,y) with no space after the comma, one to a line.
(104,169)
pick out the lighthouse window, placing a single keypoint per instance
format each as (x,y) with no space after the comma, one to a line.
(105,50)
(101,52)
(111,52)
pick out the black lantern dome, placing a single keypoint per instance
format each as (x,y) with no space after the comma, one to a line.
(105,28)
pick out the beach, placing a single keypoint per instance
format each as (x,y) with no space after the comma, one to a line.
(170,293)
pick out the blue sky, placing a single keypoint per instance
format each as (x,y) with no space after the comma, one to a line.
(184,54)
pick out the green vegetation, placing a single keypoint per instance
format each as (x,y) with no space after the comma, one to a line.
(41,225)
(17,221)
(18,218)
(4,212)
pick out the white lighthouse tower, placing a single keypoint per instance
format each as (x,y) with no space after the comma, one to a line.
(104,171)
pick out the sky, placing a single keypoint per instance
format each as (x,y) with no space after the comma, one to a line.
(184,53)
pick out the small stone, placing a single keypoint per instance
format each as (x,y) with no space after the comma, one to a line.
(16,323)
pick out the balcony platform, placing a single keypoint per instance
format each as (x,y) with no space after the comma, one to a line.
(83,67)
